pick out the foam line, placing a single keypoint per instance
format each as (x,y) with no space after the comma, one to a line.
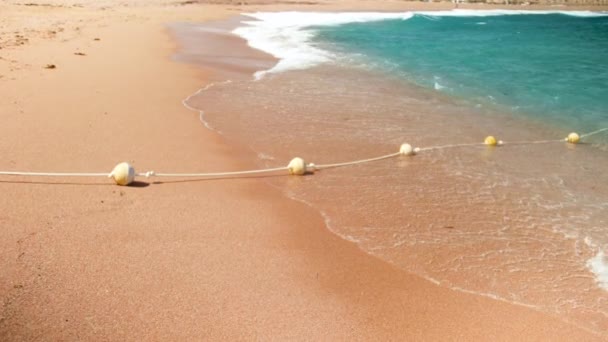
(498,12)
(288,35)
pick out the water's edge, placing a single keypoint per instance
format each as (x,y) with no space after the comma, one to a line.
(266,158)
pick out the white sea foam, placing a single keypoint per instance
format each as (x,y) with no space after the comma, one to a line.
(493,13)
(285,35)
(288,35)
(599,266)
(437,85)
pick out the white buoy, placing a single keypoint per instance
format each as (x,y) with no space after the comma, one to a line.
(573,138)
(297,166)
(407,150)
(123,174)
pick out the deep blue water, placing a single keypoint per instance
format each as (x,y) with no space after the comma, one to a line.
(551,67)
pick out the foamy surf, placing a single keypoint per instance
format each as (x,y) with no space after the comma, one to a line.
(288,35)
(497,12)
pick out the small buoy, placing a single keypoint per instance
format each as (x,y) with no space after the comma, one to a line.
(490,141)
(123,174)
(407,150)
(500,143)
(297,166)
(573,138)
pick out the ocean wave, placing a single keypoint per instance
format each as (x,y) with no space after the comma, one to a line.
(288,35)
(284,35)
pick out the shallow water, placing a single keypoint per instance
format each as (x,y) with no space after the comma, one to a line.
(517,223)
(524,223)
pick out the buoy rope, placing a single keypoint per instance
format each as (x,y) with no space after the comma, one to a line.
(54,174)
(594,132)
(214,174)
(327,166)
(534,142)
(141,174)
(311,167)
(527,142)
(442,147)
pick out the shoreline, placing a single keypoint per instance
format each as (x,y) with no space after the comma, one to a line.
(270,161)
(221,259)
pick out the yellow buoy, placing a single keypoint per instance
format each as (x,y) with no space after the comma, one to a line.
(297,166)
(407,150)
(490,141)
(123,174)
(573,138)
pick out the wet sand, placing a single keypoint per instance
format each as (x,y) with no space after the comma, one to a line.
(182,260)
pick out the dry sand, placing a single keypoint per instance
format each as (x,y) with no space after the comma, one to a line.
(82,259)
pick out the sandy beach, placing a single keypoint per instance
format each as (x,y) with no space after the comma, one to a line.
(88,84)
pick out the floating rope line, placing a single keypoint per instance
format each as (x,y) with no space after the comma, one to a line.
(594,132)
(443,147)
(327,166)
(53,174)
(124,173)
(216,174)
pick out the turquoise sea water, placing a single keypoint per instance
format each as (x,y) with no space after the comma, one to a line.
(551,67)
